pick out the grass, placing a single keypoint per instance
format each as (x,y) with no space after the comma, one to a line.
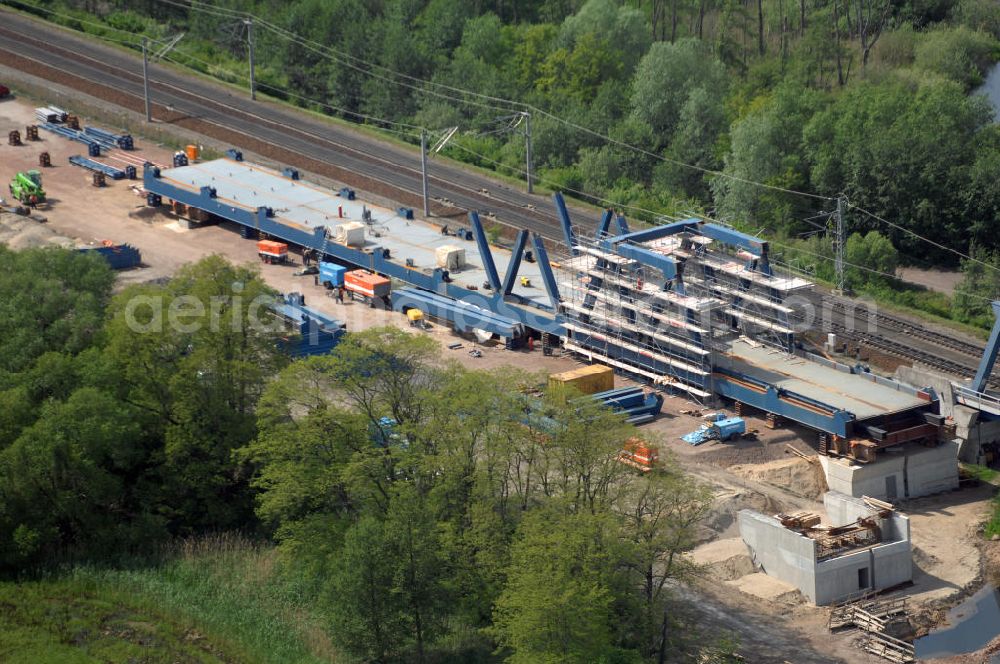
(981,473)
(222,599)
(987,476)
(993,524)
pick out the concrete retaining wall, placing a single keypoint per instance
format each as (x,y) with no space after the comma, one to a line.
(791,557)
(837,578)
(918,471)
(932,470)
(864,480)
(893,564)
(781,553)
(842,509)
(887,565)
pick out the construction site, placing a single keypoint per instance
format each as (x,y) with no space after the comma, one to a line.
(841,514)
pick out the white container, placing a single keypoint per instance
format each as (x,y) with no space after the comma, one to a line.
(352,234)
(450,257)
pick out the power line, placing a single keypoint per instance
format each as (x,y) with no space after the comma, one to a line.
(562,187)
(345,58)
(366,67)
(921,237)
(103,26)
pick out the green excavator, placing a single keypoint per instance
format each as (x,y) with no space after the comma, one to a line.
(27,188)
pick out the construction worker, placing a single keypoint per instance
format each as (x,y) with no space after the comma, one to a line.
(340,294)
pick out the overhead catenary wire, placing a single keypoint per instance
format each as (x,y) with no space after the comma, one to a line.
(132,41)
(422,86)
(284,91)
(366,67)
(921,237)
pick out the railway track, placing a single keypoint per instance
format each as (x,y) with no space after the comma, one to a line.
(303,141)
(330,150)
(902,326)
(898,349)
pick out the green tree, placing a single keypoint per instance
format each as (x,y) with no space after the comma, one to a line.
(903,150)
(72,483)
(957,53)
(767,146)
(194,354)
(662,514)
(873,251)
(702,121)
(980,284)
(421,568)
(50,300)
(559,601)
(624,27)
(666,77)
(365,612)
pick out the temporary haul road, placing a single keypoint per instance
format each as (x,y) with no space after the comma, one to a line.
(295,138)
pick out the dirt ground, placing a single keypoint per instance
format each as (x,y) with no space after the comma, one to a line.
(770,620)
(943,281)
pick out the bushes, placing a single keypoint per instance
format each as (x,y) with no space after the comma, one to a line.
(958,53)
(979,15)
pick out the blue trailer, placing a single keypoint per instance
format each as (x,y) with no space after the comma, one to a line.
(722,428)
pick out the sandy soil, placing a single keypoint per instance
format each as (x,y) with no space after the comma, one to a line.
(946,558)
(767,588)
(757,474)
(943,281)
(796,475)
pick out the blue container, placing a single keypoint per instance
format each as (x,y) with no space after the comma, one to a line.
(731,428)
(118,256)
(331,275)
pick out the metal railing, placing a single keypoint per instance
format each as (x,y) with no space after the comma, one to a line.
(977,400)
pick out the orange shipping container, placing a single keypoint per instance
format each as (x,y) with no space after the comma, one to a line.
(192,152)
(272,248)
(366,283)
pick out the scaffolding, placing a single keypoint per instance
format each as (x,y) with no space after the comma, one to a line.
(623,312)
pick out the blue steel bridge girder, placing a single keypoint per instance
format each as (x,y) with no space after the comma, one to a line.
(534,315)
(604,225)
(484,251)
(989,353)
(789,405)
(622,224)
(548,278)
(515,261)
(567,224)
